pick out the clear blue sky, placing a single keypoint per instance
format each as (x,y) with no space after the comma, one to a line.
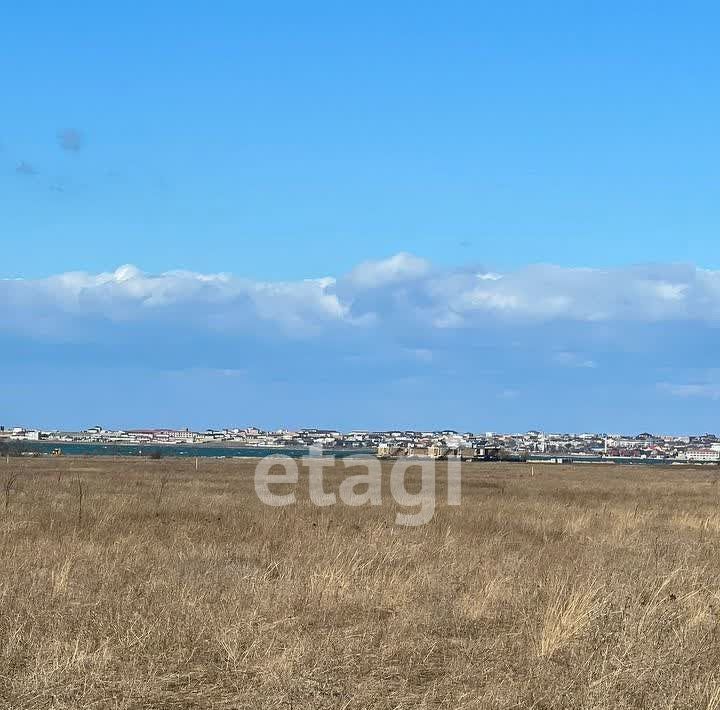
(281,141)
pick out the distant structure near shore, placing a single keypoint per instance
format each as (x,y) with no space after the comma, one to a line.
(438,452)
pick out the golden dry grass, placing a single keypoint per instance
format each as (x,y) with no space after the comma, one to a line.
(580,587)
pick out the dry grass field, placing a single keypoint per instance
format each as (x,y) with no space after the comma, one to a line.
(580,587)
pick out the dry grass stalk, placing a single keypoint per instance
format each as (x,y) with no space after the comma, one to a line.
(571,609)
(8,487)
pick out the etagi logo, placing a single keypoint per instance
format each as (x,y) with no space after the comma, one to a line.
(360,488)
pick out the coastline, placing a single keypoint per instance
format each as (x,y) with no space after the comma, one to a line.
(170,450)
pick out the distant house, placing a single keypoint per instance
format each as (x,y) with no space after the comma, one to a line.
(706,455)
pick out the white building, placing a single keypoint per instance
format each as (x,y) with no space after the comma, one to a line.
(704,455)
(25,434)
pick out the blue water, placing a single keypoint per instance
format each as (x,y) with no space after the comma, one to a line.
(173,450)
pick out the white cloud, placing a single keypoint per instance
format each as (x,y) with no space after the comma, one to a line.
(127,294)
(403,292)
(691,391)
(571,359)
(386,272)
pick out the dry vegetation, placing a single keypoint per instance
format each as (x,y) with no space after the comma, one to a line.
(580,587)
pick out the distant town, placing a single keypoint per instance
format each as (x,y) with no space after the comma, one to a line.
(531,445)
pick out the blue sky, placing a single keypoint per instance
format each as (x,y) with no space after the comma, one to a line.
(426,158)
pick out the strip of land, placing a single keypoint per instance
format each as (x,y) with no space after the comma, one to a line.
(131,583)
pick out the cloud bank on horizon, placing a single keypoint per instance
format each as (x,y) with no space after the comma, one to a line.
(403,288)
(394,329)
